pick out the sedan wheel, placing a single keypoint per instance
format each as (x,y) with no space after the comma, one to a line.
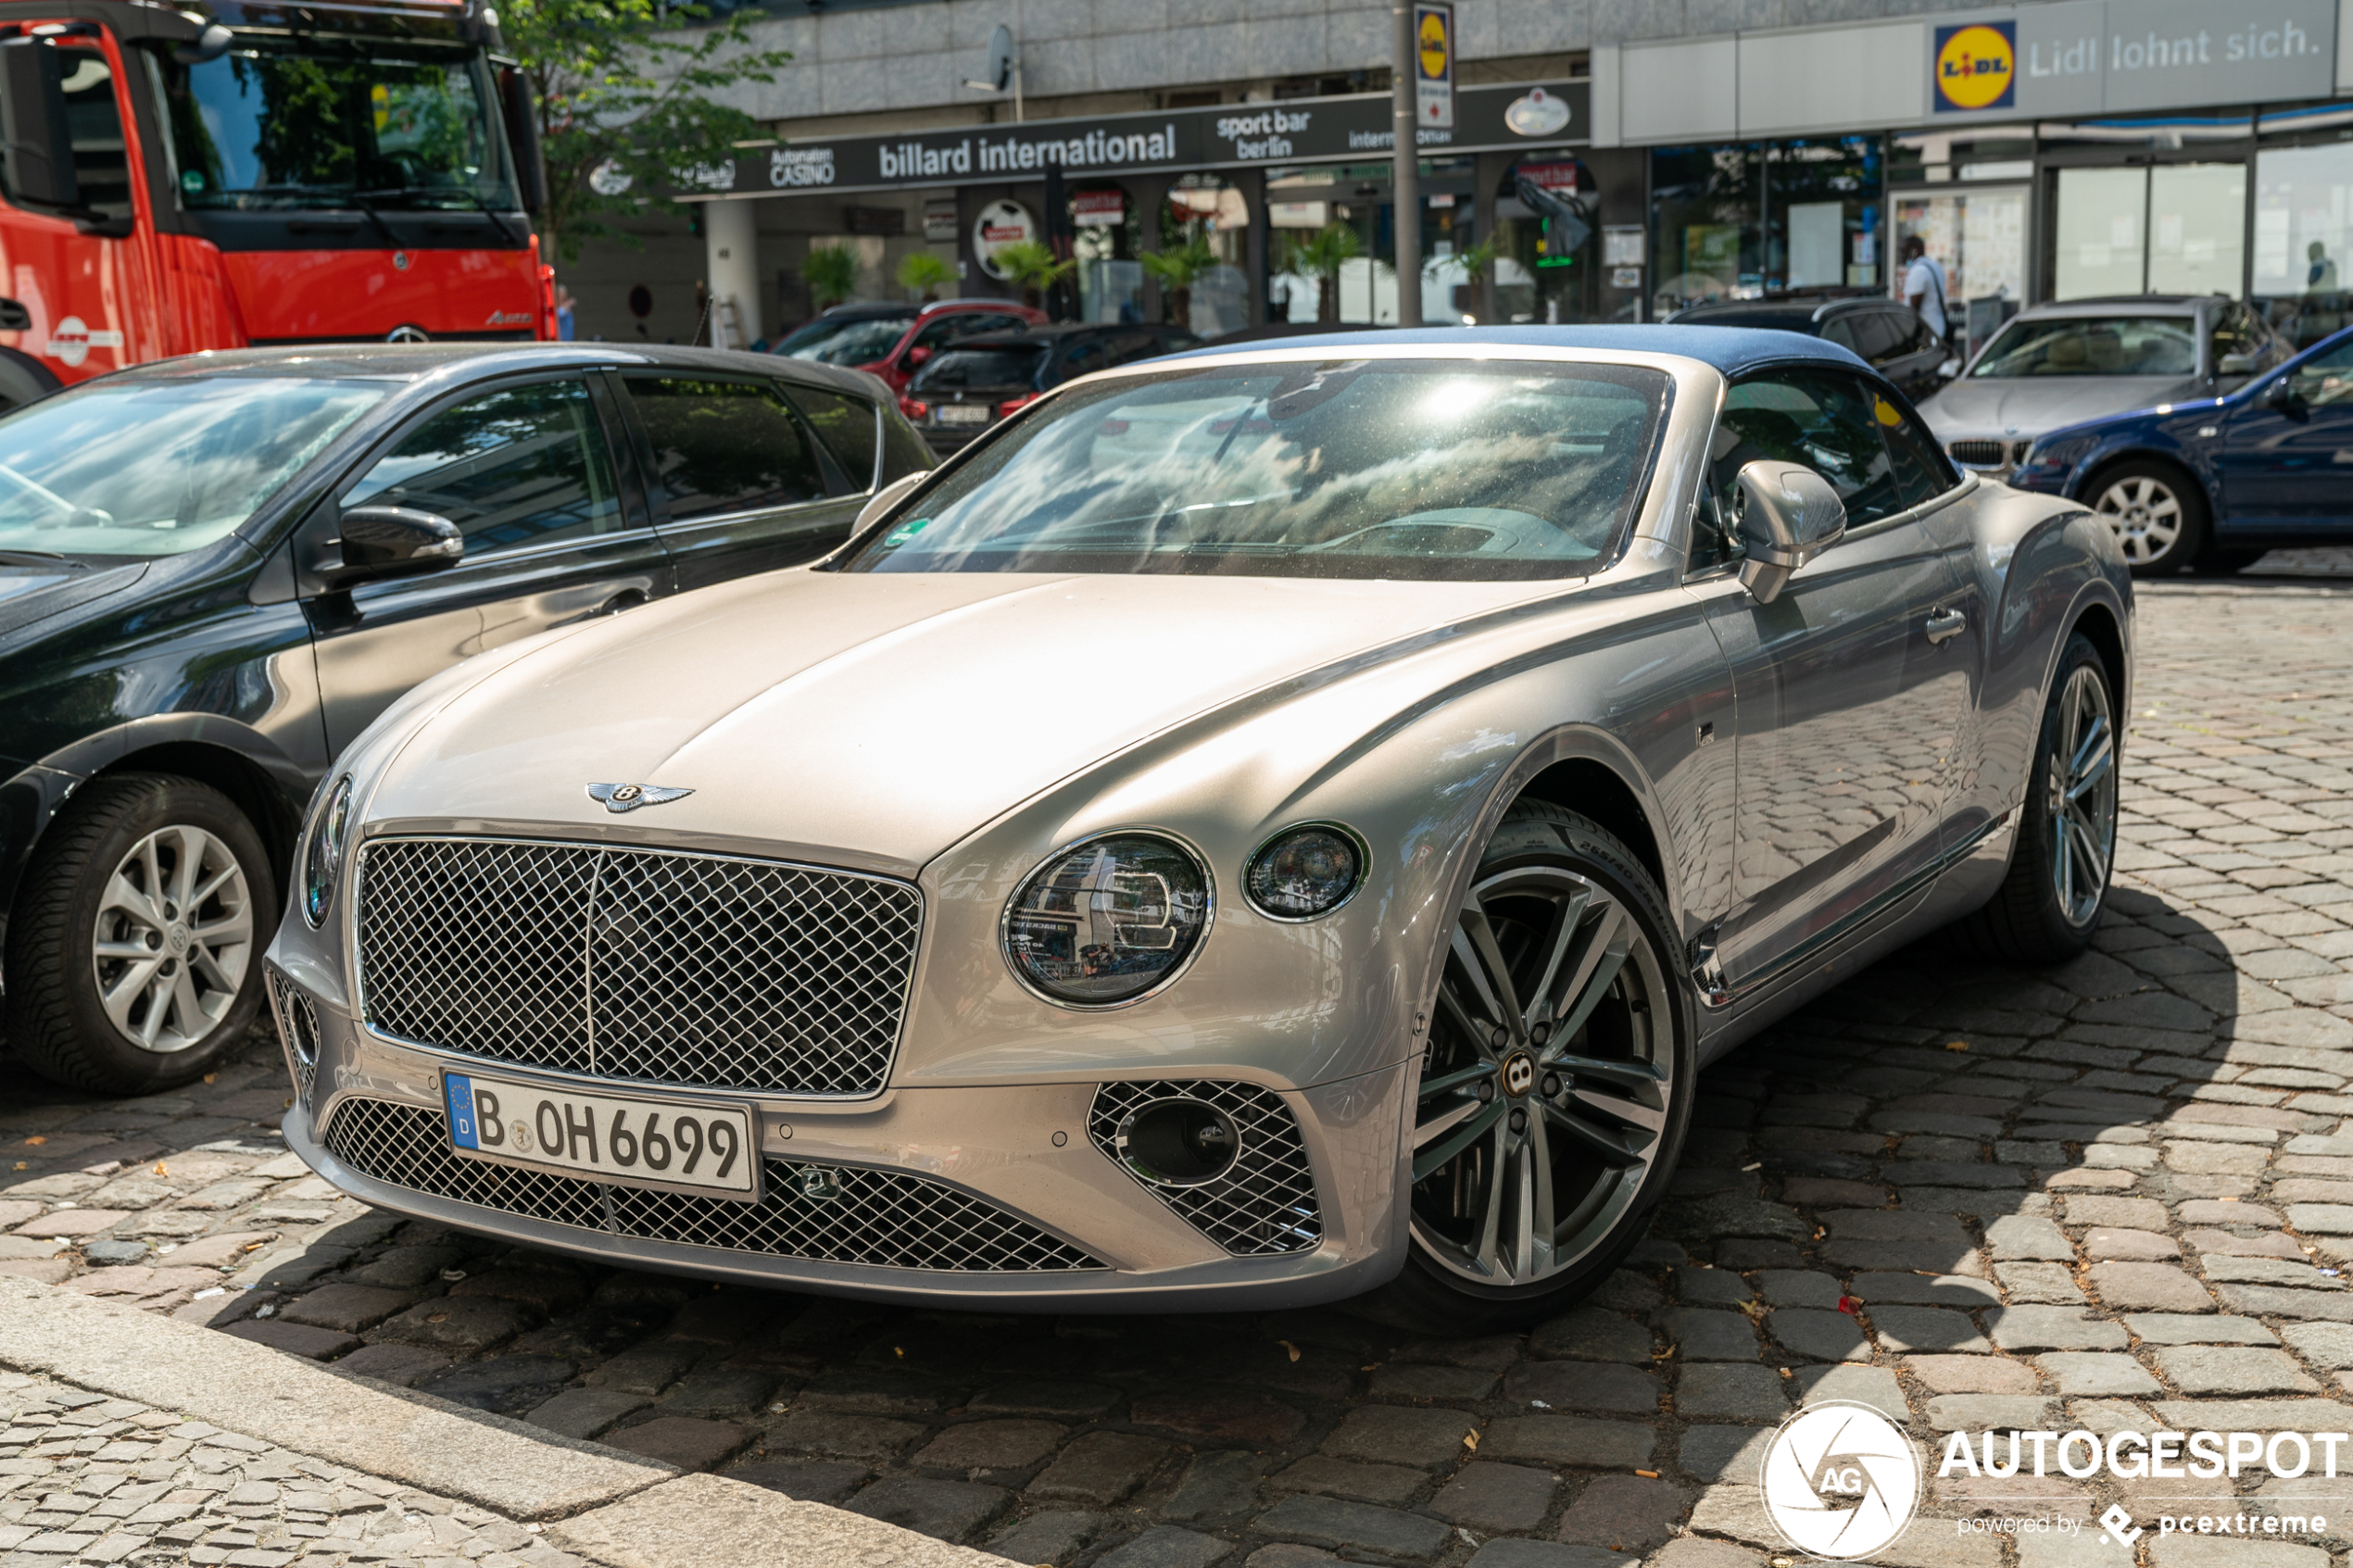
(1555,1085)
(2158,516)
(134,958)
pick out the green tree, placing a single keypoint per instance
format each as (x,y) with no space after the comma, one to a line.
(1321,255)
(1034,266)
(923,274)
(832,273)
(1178,269)
(629,105)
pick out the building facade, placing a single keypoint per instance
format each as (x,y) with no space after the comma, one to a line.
(1621,162)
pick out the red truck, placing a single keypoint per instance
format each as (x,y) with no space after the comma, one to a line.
(178,178)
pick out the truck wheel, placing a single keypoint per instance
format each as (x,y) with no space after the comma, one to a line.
(2050,902)
(134,955)
(2156,513)
(1556,1084)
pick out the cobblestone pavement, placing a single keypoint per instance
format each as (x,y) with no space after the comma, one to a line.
(2111,1192)
(90,1479)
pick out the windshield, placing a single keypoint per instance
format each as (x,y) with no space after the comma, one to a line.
(2093,346)
(860,341)
(159,468)
(1423,468)
(982,367)
(322,124)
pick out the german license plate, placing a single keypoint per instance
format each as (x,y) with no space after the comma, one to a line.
(964,413)
(704,1148)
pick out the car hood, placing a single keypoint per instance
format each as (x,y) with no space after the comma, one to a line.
(2002,406)
(34,593)
(877,719)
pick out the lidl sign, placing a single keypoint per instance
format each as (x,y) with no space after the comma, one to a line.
(1976,67)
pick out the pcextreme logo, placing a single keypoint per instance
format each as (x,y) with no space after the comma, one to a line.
(1976,65)
(1841,1481)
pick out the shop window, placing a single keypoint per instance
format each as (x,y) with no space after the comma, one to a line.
(2303,239)
(1548,262)
(1106,238)
(2174,228)
(1206,221)
(1765,219)
(1978,237)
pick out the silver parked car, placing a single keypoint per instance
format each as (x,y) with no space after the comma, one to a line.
(1255,827)
(2057,365)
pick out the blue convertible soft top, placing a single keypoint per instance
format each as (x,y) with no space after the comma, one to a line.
(1730,349)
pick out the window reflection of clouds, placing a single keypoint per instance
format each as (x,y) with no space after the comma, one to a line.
(1429,464)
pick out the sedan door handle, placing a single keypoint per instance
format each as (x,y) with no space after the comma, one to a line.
(628,598)
(1946,624)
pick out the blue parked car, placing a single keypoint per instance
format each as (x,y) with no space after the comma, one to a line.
(2213,483)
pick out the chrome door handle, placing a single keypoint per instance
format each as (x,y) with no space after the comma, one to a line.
(1946,624)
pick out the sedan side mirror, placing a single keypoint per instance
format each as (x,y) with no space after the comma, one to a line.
(2283,396)
(917,355)
(379,541)
(1787,514)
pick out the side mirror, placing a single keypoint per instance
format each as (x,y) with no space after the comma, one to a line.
(2282,395)
(916,355)
(2235,364)
(523,139)
(1787,514)
(886,498)
(38,141)
(379,541)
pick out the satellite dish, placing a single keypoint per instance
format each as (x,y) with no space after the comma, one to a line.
(999,73)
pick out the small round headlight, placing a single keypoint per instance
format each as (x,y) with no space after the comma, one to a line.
(1306,871)
(322,854)
(1107,920)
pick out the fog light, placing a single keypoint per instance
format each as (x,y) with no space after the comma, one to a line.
(1177,1142)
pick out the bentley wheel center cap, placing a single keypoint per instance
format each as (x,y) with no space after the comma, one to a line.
(1519,1074)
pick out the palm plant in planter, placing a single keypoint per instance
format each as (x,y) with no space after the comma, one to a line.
(1321,255)
(1034,267)
(1178,269)
(924,275)
(1479,260)
(831,272)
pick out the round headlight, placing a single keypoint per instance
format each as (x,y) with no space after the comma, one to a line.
(322,856)
(1306,871)
(1106,921)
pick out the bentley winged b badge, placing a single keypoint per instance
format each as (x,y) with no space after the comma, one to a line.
(629,796)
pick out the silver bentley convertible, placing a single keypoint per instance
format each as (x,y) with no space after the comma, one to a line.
(1259,827)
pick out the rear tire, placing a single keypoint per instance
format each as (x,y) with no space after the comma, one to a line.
(2049,904)
(2158,513)
(1555,1085)
(134,955)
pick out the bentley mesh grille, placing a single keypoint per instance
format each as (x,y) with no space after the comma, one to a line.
(298,1028)
(1980,453)
(881,1219)
(1266,1203)
(635,964)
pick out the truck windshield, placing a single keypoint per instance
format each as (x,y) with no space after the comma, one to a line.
(322,124)
(157,468)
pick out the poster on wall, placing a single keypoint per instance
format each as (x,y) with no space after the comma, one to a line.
(1002,224)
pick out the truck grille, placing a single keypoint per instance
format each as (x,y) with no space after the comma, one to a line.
(1266,1203)
(699,969)
(879,1219)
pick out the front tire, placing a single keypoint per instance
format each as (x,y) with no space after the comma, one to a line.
(134,955)
(2156,512)
(2049,904)
(1556,1084)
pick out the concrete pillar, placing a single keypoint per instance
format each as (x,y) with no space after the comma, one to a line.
(731,244)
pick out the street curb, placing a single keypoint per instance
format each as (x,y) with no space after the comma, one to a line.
(416,1439)
(699,1519)
(615,1508)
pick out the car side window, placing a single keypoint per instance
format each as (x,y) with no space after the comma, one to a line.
(2326,378)
(1840,330)
(524,465)
(724,447)
(938,334)
(1817,418)
(2235,332)
(1921,471)
(846,426)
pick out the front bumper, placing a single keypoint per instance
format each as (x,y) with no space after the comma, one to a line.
(1000,1161)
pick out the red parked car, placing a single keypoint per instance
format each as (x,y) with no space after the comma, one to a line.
(893,341)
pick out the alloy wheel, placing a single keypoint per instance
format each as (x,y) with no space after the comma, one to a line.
(2145,514)
(173,938)
(2082,796)
(1544,1091)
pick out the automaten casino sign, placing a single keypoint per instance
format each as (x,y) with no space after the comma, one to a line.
(1976,67)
